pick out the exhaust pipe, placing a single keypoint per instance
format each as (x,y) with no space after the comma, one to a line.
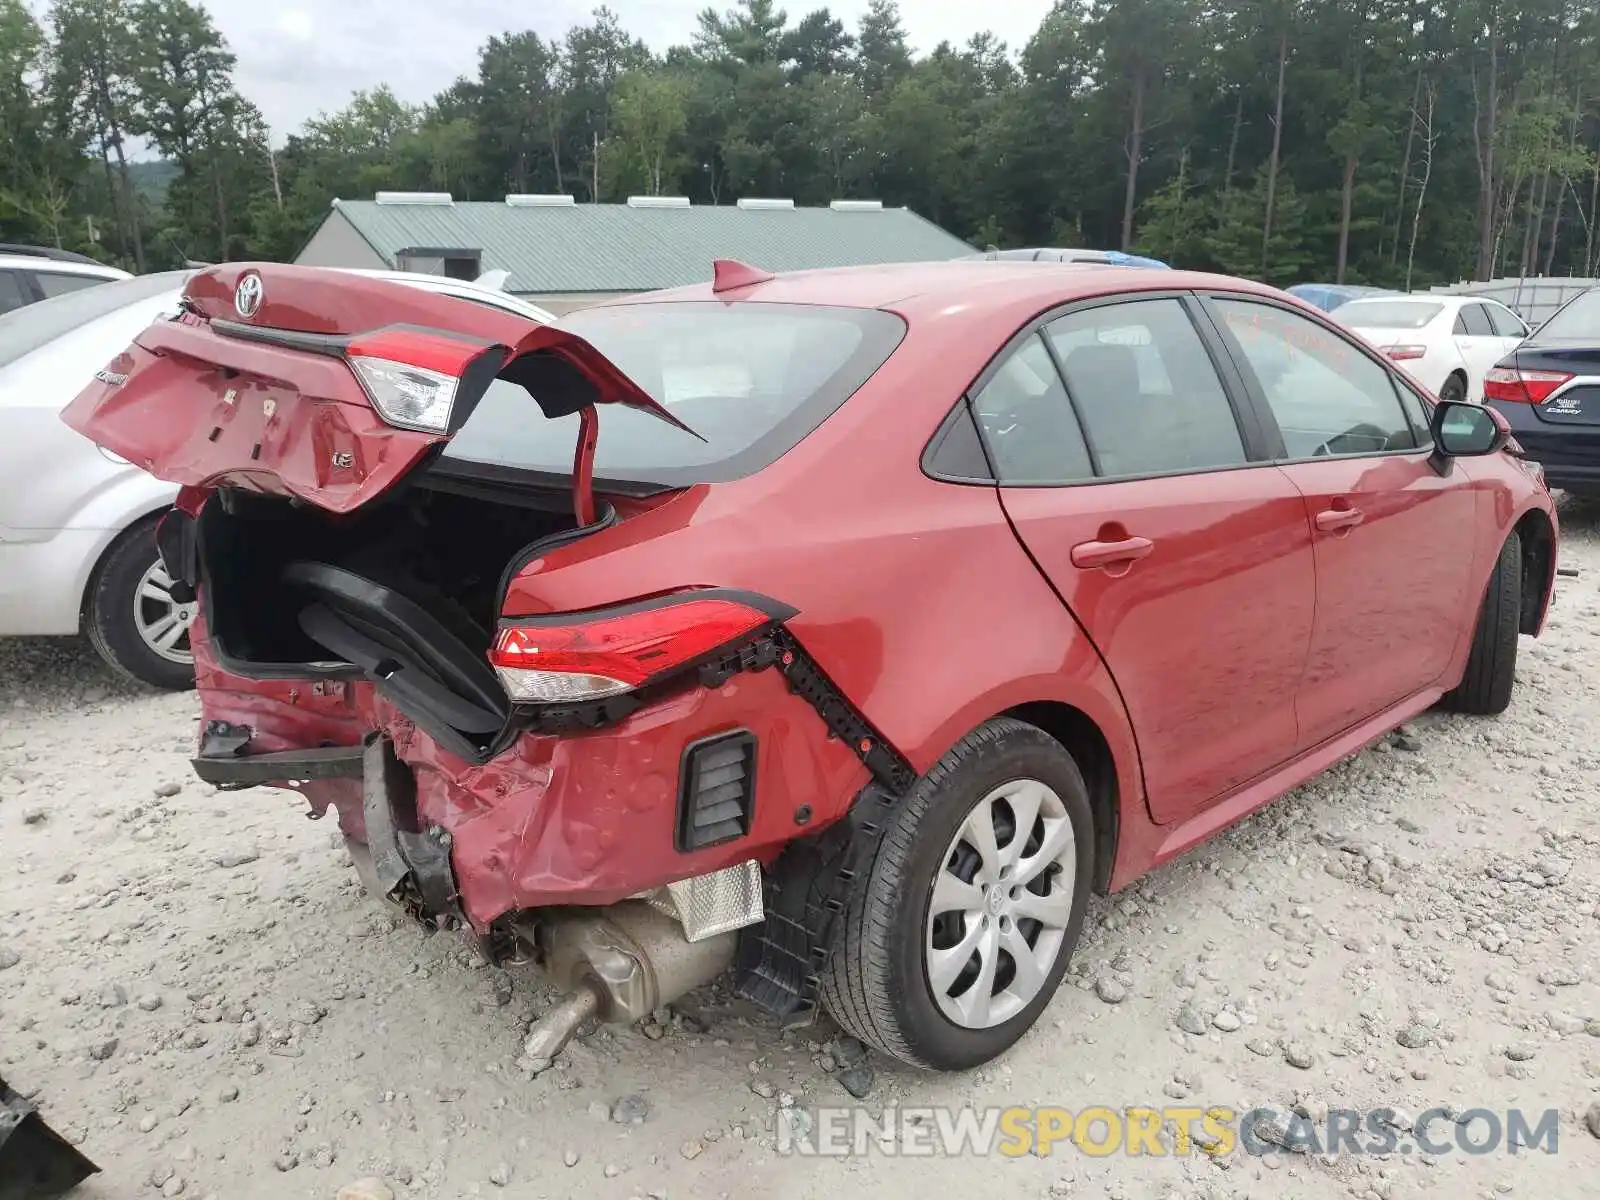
(619,964)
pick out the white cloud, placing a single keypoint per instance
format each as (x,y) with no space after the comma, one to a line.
(296,23)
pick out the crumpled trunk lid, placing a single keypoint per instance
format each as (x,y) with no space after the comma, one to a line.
(255,384)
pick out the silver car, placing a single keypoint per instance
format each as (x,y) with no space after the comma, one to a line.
(77,524)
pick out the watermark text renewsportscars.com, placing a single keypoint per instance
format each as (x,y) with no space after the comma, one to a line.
(1167,1131)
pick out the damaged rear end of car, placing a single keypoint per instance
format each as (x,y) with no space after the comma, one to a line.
(598,788)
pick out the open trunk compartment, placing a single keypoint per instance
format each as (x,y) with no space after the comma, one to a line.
(404,592)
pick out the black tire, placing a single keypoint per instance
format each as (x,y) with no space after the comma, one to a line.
(1485,689)
(1455,388)
(110,608)
(874,982)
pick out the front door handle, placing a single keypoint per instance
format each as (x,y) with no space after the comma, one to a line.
(1123,552)
(1332,519)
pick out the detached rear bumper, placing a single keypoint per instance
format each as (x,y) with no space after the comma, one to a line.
(402,860)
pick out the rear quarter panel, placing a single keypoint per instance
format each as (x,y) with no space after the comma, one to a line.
(913,595)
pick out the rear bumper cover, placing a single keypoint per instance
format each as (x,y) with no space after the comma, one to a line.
(576,818)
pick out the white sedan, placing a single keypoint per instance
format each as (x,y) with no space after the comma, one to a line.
(1448,343)
(77,525)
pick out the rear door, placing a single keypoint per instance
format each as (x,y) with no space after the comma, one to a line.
(326,386)
(1134,484)
(1394,539)
(1480,346)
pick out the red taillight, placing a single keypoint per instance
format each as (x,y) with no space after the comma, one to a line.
(1405,353)
(576,657)
(1522,387)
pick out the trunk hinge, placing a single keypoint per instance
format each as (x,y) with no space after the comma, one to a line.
(583,466)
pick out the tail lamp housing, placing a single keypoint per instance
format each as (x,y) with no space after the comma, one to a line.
(575,658)
(1405,353)
(416,378)
(1523,387)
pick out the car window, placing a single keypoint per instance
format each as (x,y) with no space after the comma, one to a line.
(1145,389)
(13,291)
(1578,319)
(1475,320)
(1506,323)
(1028,423)
(57,283)
(1327,396)
(751,380)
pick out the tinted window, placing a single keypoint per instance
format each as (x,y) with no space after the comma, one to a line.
(1145,388)
(13,291)
(1327,396)
(1475,319)
(1506,323)
(1387,314)
(54,283)
(29,328)
(1578,321)
(1027,422)
(750,379)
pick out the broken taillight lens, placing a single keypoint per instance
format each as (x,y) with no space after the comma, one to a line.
(575,657)
(1522,387)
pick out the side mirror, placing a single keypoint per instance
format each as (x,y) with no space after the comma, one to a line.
(1464,430)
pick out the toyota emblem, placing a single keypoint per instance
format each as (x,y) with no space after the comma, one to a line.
(247,296)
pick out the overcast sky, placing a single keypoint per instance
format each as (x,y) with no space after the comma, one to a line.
(299,57)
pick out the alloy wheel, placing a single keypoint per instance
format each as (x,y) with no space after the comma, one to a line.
(1000,906)
(162,622)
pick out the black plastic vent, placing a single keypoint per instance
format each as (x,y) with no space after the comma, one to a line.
(717,790)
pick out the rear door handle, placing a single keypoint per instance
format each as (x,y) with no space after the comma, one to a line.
(1339,518)
(1124,551)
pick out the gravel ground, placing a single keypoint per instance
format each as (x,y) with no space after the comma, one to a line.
(201,997)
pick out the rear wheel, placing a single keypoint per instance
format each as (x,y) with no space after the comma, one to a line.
(1485,689)
(1455,388)
(131,618)
(952,945)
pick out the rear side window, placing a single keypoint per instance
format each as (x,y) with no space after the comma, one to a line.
(1327,397)
(1145,389)
(55,283)
(1474,321)
(1506,323)
(751,379)
(1028,423)
(13,291)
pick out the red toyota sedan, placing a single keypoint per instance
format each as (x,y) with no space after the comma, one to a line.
(847,627)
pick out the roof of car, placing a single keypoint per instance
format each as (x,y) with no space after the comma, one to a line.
(961,281)
(59,266)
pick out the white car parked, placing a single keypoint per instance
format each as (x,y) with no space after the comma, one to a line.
(77,524)
(1449,343)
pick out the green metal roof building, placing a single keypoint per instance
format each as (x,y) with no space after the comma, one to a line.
(563,255)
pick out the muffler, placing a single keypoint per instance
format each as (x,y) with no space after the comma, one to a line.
(618,964)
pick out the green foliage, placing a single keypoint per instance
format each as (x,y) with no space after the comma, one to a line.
(1474,126)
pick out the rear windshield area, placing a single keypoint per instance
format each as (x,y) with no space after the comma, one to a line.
(751,379)
(1387,314)
(1579,321)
